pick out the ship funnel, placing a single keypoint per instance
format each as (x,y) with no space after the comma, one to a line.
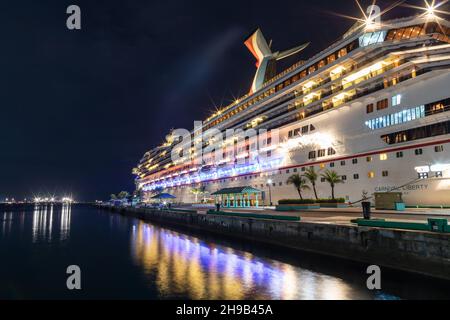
(265,58)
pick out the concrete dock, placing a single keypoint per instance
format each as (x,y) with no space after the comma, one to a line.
(329,232)
(345,215)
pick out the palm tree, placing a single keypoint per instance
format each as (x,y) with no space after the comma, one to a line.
(123,195)
(333,179)
(299,184)
(113,196)
(198,191)
(311,175)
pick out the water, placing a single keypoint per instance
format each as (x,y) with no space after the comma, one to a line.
(125,258)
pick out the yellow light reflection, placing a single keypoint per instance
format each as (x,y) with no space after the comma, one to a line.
(183,266)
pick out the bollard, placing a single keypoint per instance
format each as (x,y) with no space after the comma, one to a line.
(366,210)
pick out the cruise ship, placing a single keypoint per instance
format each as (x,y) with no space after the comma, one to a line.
(374,107)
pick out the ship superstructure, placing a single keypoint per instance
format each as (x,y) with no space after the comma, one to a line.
(374,107)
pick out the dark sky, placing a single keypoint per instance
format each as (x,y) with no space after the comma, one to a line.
(80,108)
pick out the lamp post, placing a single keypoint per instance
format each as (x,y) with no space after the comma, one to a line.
(269,182)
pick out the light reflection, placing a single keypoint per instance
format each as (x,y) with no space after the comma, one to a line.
(184,266)
(7,222)
(65,221)
(44,222)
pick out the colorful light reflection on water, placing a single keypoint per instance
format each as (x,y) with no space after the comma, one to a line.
(185,266)
(124,258)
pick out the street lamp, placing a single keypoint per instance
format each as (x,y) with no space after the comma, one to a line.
(269,182)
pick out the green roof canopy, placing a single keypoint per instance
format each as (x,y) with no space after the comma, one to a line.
(238,190)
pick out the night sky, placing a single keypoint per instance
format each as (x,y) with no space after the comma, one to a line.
(80,108)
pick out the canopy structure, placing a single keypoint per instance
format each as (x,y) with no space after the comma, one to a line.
(164,196)
(239,197)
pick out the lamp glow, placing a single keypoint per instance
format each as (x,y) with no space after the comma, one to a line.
(422,169)
(440,167)
(430,10)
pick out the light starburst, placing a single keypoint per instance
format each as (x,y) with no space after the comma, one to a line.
(369,20)
(431,9)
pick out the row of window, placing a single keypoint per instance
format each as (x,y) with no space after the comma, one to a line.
(321,153)
(396,118)
(409,114)
(356,176)
(437,107)
(424,132)
(437,28)
(426,175)
(381,105)
(384,156)
(406,33)
(301,131)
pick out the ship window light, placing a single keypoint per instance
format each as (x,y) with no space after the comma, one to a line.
(331,58)
(363,73)
(321,153)
(396,100)
(383,156)
(310,98)
(336,73)
(396,118)
(342,52)
(382,104)
(341,98)
(371,38)
(423,175)
(307,86)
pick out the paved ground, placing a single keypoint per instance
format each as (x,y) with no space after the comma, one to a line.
(344,216)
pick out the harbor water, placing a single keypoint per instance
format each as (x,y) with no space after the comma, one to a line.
(125,258)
